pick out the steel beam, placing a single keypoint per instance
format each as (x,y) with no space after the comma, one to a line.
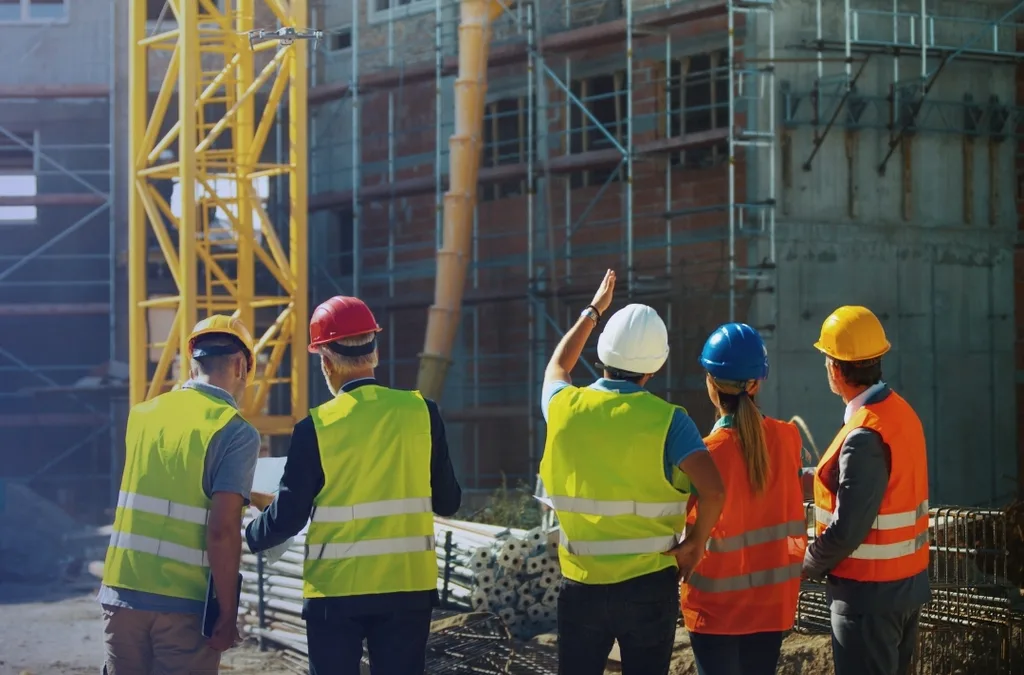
(212,277)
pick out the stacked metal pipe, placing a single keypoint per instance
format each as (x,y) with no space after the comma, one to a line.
(512,573)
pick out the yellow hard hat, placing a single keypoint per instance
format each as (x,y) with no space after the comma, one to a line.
(852,333)
(227,325)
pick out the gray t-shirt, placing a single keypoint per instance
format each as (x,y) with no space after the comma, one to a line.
(230,465)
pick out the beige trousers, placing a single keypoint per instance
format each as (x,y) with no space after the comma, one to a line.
(155,643)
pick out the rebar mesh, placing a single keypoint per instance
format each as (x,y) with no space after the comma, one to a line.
(972,625)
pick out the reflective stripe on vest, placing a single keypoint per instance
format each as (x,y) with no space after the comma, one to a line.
(745,581)
(764,535)
(603,470)
(357,549)
(158,543)
(387,507)
(159,548)
(162,507)
(617,546)
(884,521)
(596,507)
(372,528)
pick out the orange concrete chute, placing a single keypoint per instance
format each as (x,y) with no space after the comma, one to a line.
(477,17)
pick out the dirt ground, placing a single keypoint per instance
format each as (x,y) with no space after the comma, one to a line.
(55,630)
(801,655)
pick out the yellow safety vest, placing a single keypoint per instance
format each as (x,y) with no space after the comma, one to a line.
(604,471)
(372,528)
(159,540)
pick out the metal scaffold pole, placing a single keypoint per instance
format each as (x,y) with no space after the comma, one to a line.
(216,241)
(752,130)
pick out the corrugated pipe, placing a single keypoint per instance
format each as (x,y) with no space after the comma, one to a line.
(477,17)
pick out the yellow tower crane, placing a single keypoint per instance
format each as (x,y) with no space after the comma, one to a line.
(217,242)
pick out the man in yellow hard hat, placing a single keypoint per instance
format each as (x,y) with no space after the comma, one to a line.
(870,505)
(189,465)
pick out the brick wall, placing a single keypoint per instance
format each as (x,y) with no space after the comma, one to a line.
(693,276)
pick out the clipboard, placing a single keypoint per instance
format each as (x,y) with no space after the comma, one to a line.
(211,610)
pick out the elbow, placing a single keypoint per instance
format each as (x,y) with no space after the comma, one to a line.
(712,494)
(221,534)
(447,508)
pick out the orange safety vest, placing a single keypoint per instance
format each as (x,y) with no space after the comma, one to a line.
(897,544)
(749,579)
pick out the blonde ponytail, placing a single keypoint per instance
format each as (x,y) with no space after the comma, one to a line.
(747,420)
(752,442)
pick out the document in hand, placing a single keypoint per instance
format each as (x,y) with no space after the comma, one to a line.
(267,481)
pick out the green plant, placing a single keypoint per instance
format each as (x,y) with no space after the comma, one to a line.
(510,508)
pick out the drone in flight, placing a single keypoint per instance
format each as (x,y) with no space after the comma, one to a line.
(285,35)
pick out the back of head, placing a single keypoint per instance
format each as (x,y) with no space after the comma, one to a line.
(634,341)
(215,343)
(736,361)
(853,338)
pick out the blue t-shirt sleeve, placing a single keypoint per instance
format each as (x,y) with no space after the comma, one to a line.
(231,459)
(683,439)
(548,393)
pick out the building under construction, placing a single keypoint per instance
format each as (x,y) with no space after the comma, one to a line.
(755,161)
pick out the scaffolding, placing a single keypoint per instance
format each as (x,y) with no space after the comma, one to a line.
(217,248)
(608,141)
(915,32)
(57,289)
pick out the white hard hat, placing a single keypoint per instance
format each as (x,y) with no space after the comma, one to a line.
(634,340)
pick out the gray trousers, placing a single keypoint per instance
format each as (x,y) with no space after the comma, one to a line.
(874,644)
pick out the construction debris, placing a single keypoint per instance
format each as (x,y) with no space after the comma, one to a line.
(34,537)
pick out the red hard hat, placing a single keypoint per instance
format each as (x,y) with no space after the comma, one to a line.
(338,318)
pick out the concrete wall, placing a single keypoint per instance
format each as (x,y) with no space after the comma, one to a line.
(937,271)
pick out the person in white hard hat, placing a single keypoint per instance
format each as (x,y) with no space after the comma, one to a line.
(618,467)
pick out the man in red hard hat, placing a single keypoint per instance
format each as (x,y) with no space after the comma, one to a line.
(368,469)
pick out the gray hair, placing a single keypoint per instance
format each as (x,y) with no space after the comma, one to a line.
(344,364)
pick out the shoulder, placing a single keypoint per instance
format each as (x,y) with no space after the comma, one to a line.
(862,438)
(552,387)
(683,437)
(238,434)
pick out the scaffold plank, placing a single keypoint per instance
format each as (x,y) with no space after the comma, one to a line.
(53,420)
(560,165)
(53,309)
(51,91)
(55,199)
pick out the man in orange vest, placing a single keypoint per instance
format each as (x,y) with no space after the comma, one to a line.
(870,505)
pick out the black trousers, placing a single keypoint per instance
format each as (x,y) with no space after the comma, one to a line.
(874,644)
(397,643)
(750,654)
(640,613)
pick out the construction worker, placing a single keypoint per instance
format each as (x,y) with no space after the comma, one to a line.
(741,598)
(189,464)
(870,505)
(370,467)
(617,466)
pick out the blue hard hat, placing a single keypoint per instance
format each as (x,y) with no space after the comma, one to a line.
(735,352)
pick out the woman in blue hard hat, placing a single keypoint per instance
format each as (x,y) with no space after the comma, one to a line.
(742,596)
